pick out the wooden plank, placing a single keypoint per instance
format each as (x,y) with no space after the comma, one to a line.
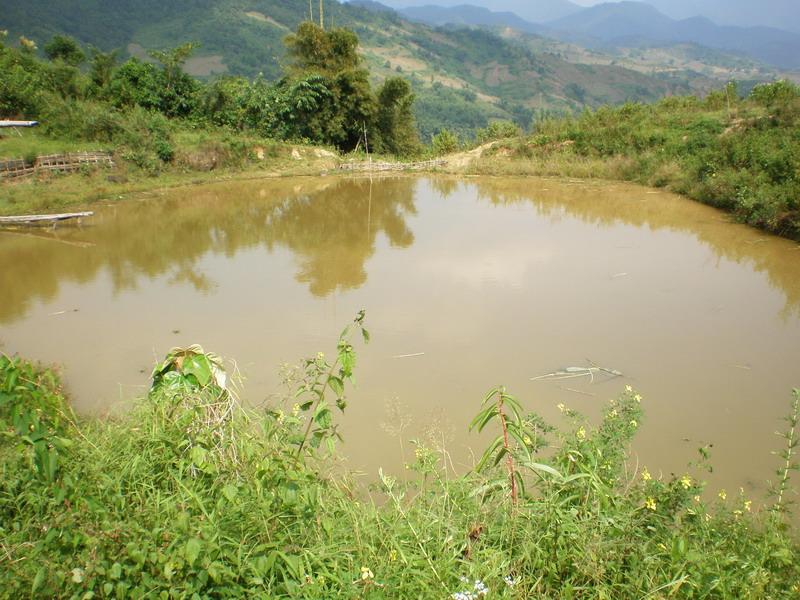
(26,219)
(19,123)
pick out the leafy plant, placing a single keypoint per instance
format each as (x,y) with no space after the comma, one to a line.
(514,443)
(320,377)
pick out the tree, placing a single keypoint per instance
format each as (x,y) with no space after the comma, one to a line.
(64,48)
(313,49)
(327,96)
(102,66)
(395,119)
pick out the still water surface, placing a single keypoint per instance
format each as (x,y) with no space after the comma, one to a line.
(485,281)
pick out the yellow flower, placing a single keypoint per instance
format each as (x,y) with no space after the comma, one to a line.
(697,498)
(295,410)
(366,574)
(628,389)
(650,503)
(528,441)
(613,414)
(634,423)
(561,407)
(638,398)
(686,482)
(723,495)
(646,474)
(280,416)
(392,555)
(748,505)
(581,434)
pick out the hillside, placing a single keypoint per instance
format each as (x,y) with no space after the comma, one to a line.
(697,64)
(462,77)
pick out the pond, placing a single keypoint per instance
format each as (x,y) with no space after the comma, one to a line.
(467,283)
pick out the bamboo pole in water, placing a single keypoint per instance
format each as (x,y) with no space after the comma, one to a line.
(26,219)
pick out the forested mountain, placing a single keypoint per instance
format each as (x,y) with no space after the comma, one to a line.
(462,77)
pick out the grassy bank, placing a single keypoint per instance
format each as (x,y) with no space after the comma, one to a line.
(190,496)
(740,155)
(197,156)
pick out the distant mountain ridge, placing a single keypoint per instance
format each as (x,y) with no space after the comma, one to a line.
(781,14)
(466,14)
(640,23)
(533,11)
(627,24)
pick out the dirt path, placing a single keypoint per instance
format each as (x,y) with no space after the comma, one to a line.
(461,160)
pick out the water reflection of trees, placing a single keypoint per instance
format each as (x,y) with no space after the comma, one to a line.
(607,204)
(331,226)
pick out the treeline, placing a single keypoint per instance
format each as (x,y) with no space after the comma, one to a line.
(324,96)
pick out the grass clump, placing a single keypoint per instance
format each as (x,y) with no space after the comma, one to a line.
(191,496)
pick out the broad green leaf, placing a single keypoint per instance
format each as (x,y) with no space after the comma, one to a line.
(230,492)
(192,550)
(199,366)
(337,385)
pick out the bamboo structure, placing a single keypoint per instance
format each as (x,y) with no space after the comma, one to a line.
(65,163)
(387,166)
(42,219)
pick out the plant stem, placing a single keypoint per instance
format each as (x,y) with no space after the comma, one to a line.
(790,438)
(319,399)
(509,458)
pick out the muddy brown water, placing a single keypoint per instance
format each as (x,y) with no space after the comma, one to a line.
(474,282)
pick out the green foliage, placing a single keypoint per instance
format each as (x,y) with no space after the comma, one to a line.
(741,155)
(498,130)
(515,443)
(319,377)
(395,119)
(66,49)
(33,417)
(193,496)
(445,142)
(315,50)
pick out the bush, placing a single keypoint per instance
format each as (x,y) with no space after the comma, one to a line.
(498,130)
(445,142)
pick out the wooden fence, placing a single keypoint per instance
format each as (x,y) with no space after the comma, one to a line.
(54,163)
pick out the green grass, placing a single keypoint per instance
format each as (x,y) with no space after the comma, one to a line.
(28,143)
(191,496)
(742,156)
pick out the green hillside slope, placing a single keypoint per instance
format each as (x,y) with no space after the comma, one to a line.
(462,77)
